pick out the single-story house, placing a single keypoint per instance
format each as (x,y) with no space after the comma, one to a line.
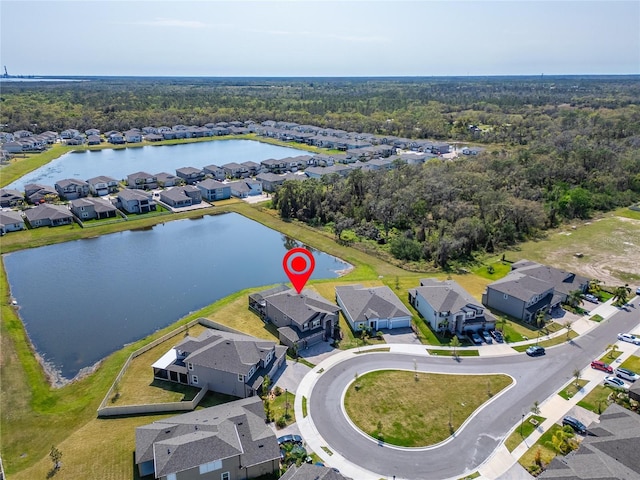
(90,208)
(10,198)
(11,221)
(190,175)
(271,181)
(231,441)
(142,180)
(374,308)
(245,188)
(185,196)
(302,319)
(223,362)
(531,287)
(47,215)
(213,190)
(446,306)
(71,188)
(135,201)
(102,185)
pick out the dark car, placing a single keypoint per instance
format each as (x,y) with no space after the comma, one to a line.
(475,338)
(497,336)
(574,423)
(289,439)
(535,351)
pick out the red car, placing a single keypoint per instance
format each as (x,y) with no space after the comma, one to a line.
(598,365)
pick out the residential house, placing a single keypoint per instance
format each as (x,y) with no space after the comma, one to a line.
(224,362)
(132,136)
(231,441)
(153,137)
(185,196)
(235,170)
(446,306)
(6,137)
(47,215)
(168,180)
(94,140)
(302,319)
(36,193)
(271,181)
(245,188)
(634,391)
(212,190)
(440,148)
(92,131)
(72,188)
(69,133)
(253,167)
(216,172)
(471,150)
(319,172)
(92,208)
(307,471)
(102,185)
(135,201)
(373,308)
(149,130)
(115,138)
(10,221)
(274,165)
(609,451)
(530,288)
(190,175)
(142,180)
(10,198)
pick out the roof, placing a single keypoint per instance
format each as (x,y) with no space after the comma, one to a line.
(186,441)
(307,471)
(9,217)
(301,308)
(130,194)
(520,285)
(70,181)
(211,184)
(364,303)
(225,351)
(188,170)
(610,451)
(101,179)
(47,211)
(446,296)
(99,204)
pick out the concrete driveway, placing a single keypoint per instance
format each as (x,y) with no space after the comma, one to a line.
(290,377)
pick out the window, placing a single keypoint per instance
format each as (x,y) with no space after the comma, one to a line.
(210,467)
(240,377)
(194,379)
(225,476)
(190,366)
(171,476)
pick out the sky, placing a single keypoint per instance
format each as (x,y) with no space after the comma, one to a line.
(319,38)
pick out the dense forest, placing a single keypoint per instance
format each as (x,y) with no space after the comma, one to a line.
(557,148)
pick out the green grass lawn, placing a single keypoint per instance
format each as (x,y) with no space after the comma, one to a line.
(632,363)
(546,453)
(570,390)
(596,399)
(494,270)
(411,413)
(549,343)
(610,356)
(282,407)
(523,431)
(460,352)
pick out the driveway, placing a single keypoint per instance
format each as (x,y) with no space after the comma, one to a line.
(290,377)
(401,335)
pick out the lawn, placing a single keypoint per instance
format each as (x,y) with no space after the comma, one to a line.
(407,412)
(596,399)
(610,356)
(570,390)
(549,343)
(281,409)
(460,352)
(632,363)
(546,453)
(523,431)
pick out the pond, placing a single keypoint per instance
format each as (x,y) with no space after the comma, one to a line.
(118,163)
(82,300)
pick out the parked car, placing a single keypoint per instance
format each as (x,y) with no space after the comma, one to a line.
(625,374)
(475,338)
(289,439)
(627,337)
(600,365)
(497,336)
(574,423)
(615,382)
(591,298)
(638,291)
(535,351)
(485,336)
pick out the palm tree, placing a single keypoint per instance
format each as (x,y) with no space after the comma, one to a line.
(574,299)
(455,343)
(621,295)
(612,349)
(576,375)
(594,286)
(563,441)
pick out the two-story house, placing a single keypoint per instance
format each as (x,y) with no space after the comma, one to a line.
(446,306)
(135,201)
(215,172)
(142,180)
(10,198)
(212,190)
(224,362)
(72,188)
(302,319)
(92,208)
(102,185)
(190,175)
(183,196)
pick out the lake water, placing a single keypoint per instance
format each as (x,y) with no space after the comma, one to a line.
(82,300)
(118,163)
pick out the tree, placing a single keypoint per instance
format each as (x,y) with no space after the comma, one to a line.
(56,456)
(613,347)
(455,343)
(535,409)
(594,286)
(569,327)
(563,441)
(621,295)
(574,299)
(540,318)
(266,384)
(576,374)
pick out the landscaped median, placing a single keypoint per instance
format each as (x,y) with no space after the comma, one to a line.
(417,409)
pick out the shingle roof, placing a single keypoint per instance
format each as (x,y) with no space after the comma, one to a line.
(371,302)
(186,441)
(301,308)
(311,472)
(47,211)
(446,295)
(9,217)
(211,184)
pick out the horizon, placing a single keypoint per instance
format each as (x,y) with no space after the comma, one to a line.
(319,39)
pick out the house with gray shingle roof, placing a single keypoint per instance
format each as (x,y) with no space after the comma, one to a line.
(611,450)
(306,471)
(229,442)
(223,362)
(190,175)
(215,172)
(212,190)
(168,180)
(11,221)
(245,188)
(142,180)
(36,193)
(72,188)
(102,185)
(374,308)
(135,201)
(90,208)
(531,287)
(184,196)
(302,319)
(446,306)
(46,215)
(10,198)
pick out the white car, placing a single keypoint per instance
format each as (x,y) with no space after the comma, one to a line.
(615,382)
(625,374)
(627,337)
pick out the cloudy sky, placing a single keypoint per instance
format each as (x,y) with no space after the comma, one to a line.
(319,38)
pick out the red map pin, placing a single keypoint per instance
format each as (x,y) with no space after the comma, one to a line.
(298,264)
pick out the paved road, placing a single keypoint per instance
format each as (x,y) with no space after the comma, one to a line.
(536,379)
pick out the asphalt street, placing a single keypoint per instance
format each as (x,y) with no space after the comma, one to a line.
(536,379)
